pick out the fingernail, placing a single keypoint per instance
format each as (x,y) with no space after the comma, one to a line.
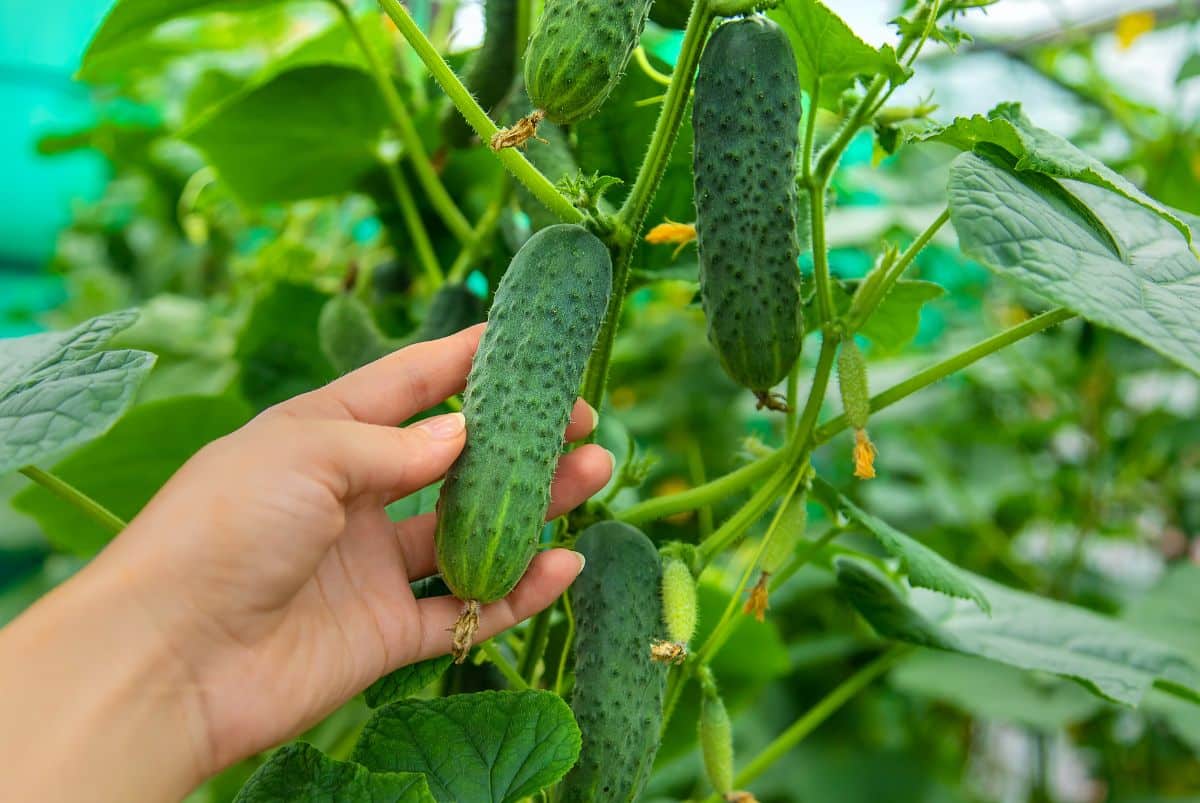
(612,460)
(444,427)
(582,561)
(595,416)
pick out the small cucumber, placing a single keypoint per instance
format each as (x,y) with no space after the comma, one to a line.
(490,71)
(578,53)
(618,695)
(715,732)
(746,116)
(452,308)
(523,383)
(348,334)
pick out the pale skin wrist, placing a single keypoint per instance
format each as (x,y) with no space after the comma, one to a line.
(96,701)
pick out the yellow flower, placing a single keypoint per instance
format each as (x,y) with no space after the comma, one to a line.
(1132,26)
(672,232)
(864,456)
(758,602)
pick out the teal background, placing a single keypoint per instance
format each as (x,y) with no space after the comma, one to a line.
(41,42)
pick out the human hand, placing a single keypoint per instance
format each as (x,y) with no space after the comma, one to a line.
(269,572)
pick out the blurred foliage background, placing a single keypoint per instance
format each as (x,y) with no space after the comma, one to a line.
(1069,465)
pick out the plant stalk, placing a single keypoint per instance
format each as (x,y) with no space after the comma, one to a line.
(416,228)
(75,498)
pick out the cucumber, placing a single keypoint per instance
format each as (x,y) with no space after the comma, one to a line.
(452,308)
(715,733)
(348,334)
(578,53)
(490,71)
(523,383)
(671,13)
(618,694)
(746,115)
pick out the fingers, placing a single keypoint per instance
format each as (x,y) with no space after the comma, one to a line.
(548,576)
(394,388)
(353,458)
(580,474)
(583,420)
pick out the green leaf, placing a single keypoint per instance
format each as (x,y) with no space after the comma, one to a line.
(1189,69)
(1025,631)
(127,466)
(488,746)
(1057,238)
(924,567)
(1036,149)
(300,773)
(827,49)
(58,390)
(895,322)
(308,132)
(1037,701)
(279,347)
(1170,611)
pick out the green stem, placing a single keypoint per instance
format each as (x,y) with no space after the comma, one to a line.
(724,627)
(504,665)
(567,642)
(810,128)
(633,211)
(873,292)
(513,160)
(824,290)
(943,369)
(801,560)
(826,707)
(75,498)
(793,397)
(702,495)
(832,152)
(482,231)
(413,148)
(535,645)
(416,228)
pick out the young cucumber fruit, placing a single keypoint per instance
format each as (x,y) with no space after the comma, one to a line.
(523,382)
(453,307)
(618,695)
(578,53)
(490,71)
(348,334)
(746,115)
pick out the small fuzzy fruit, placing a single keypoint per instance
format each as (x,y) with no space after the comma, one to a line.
(618,694)
(716,741)
(522,386)
(781,544)
(856,400)
(578,53)
(746,116)
(680,610)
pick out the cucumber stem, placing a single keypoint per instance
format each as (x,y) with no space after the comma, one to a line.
(75,498)
(416,228)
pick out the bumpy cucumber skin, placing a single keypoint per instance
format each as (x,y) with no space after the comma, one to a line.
(746,115)
(578,53)
(716,742)
(671,13)
(618,695)
(490,71)
(452,308)
(852,383)
(680,606)
(523,383)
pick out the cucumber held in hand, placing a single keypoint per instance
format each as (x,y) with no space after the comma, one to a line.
(578,53)
(618,695)
(746,116)
(523,383)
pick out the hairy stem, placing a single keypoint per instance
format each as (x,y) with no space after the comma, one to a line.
(414,150)
(943,369)
(535,644)
(702,495)
(416,228)
(873,292)
(506,668)
(513,160)
(481,233)
(75,498)
(826,707)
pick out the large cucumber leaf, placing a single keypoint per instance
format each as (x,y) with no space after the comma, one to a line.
(1025,631)
(498,746)
(300,773)
(1032,148)
(326,125)
(924,567)
(828,51)
(1092,250)
(58,390)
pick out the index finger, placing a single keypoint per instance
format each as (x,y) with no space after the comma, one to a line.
(394,388)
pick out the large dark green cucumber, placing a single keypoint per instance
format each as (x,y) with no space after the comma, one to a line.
(578,52)
(541,330)
(746,116)
(490,71)
(618,695)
